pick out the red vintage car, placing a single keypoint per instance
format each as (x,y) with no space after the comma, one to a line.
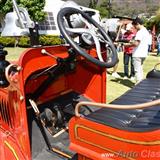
(53,101)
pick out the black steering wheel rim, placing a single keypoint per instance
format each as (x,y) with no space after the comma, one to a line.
(69,11)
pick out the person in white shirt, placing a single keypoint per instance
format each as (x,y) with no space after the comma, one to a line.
(141,48)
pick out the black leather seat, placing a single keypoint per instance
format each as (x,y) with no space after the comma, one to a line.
(138,120)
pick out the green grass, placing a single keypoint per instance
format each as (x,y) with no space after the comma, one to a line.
(14,53)
(115,87)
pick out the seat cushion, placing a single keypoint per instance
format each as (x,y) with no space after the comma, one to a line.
(137,120)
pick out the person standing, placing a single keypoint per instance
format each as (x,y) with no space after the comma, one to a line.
(158,45)
(112,32)
(150,41)
(141,48)
(128,50)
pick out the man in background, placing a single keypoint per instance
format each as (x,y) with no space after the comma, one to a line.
(141,48)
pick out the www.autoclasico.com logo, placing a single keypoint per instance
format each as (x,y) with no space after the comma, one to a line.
(132,154)
(107,155)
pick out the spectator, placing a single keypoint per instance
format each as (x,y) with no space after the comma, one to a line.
(158,45)
(113,36)
(150,41)
(128,50)
(141,48)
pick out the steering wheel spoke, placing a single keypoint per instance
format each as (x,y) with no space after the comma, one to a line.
(77,30)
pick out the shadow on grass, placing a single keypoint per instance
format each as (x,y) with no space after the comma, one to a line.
(153,54)
(125,82)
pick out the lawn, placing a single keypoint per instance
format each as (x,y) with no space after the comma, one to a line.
(115,87)
(14,53)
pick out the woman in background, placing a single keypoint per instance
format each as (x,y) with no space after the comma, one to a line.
(128,50)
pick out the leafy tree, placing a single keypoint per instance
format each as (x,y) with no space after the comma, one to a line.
(93,3)
(34,7)
(5,6)
(154,21)
(103,12)
(104,8)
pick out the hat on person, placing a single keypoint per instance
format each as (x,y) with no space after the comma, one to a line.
(129,27)
(137,21)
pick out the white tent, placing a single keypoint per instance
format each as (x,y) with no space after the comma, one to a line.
(49,25)
(52,7)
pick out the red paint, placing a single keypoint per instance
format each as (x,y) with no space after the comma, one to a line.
(87,79)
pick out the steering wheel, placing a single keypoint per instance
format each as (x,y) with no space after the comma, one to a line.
(73,21)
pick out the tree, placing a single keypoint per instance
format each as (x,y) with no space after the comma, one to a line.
(93,3)
(34,7)
(154,21)
(105,8)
